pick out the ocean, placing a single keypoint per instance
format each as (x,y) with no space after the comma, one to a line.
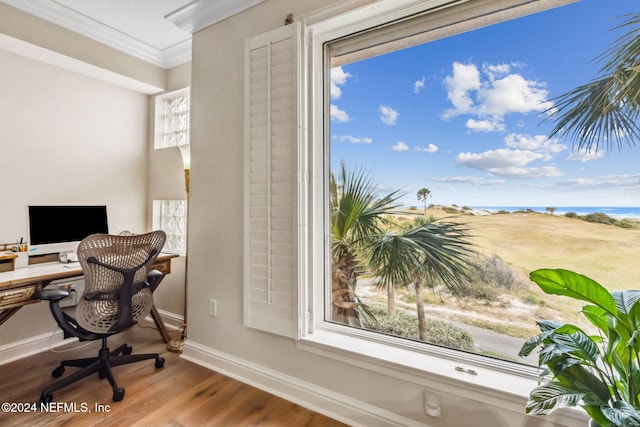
(613,212)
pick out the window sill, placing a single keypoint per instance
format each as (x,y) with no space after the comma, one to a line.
(474,381)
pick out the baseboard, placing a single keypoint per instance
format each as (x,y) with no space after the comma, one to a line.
(171,319)
(32,345)
(327,402)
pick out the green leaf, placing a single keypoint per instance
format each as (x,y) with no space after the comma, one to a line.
(547,327)
(622,414)
(574,285)
(544,398)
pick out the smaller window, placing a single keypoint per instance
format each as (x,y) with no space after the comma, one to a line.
(172,119)
(170,216)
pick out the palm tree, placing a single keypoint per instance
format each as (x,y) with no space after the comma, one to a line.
(605,111)
(423,194)
(422,255)
(357,219)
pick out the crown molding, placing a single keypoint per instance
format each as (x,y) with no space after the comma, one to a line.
(52,12)
(200,14)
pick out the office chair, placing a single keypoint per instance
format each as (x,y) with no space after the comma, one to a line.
(118,283)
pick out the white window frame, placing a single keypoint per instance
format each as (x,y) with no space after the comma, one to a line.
(161,118)
(177,232)
(472,376)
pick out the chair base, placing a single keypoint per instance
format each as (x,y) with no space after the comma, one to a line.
(102,366)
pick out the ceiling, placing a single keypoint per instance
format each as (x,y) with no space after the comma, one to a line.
(156,31)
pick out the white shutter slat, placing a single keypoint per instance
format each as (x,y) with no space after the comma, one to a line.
(271,126)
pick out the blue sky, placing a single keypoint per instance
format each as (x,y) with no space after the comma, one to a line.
(464,116)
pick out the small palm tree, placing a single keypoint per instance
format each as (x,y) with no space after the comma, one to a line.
(423,195)
(357,218)
(422,255)
(605,111)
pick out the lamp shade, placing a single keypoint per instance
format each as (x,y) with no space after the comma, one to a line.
(185,150)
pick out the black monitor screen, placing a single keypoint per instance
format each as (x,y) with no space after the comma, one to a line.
(57,224)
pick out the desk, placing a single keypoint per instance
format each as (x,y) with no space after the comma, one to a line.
(18,286)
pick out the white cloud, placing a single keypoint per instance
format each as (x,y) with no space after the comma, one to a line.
(338,115)
(606,181)
(338,78)
(493,71)
(431,148)
(388,115)
(465,78)
(492,94)
(538,143)
(508,163)
(528,173)
(500,158)
(512,94)
(585,156)
(418,85)
(465,179)
(354,139)
(400,146)
(484,125)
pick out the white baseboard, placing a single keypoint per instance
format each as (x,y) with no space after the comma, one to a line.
(43,342)
(32,345)
(171,319)
(327,402)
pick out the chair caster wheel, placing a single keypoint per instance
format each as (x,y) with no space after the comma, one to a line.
(46,398)
(58,371)
(127,350)
(118,394)
(159,362)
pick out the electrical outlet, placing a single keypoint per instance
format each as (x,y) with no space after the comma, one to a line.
(213,307)
(432,404)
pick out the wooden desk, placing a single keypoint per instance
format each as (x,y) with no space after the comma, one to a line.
(18,286)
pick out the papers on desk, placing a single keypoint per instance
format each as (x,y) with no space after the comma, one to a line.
(71,265)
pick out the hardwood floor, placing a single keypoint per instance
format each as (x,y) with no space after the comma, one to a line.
(179,394)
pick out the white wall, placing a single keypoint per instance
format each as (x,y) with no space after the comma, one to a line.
(216,258)
(67,139)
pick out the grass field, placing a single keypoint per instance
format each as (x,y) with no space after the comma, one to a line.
(527,241)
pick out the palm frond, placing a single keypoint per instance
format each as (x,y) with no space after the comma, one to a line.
(605,111)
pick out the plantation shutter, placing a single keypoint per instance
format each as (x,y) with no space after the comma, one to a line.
(271,137)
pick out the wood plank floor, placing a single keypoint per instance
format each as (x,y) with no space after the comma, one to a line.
(179,394)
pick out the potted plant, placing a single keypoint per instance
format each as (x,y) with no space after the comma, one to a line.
(598,371)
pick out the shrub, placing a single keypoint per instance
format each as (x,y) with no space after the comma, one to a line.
(489,276)
(405,325)
(571,215)
(602,218)
(599,218)
(413,208)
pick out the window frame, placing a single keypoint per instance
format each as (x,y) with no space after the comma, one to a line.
(481,378)
(159,140)
(159,223)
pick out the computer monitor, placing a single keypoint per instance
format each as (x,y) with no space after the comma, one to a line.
(54,229)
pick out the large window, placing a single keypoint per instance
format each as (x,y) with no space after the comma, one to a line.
(435,136)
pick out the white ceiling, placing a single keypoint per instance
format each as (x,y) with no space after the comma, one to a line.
(157,31)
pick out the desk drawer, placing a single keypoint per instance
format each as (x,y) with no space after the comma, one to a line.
(17,296)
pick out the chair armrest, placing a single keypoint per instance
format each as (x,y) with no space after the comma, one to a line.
(51,294)
(154,279)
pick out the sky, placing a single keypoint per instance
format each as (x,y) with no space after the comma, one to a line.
(465,116)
